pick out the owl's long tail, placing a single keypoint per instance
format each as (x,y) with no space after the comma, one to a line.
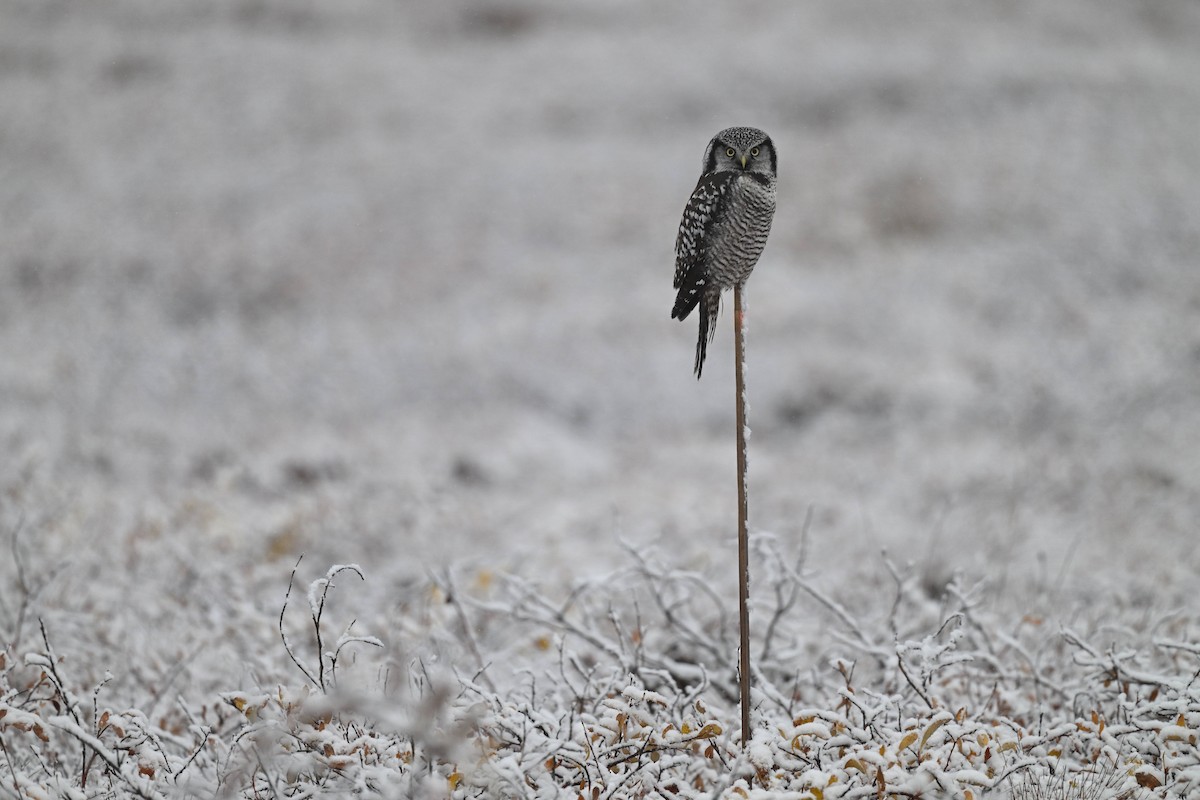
(695,289)
(710,307)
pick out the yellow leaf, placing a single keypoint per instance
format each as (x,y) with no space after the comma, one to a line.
(454,778)
(685,729)
(708,731)
(908,740)
(933,726)
(854,762)
(983,739)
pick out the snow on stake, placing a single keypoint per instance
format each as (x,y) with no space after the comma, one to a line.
(739,350)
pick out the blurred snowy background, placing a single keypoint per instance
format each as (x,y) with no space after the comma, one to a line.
(389,283)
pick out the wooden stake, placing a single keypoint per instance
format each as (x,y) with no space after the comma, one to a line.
(739,351)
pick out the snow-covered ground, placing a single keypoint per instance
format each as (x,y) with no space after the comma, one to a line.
(388,283)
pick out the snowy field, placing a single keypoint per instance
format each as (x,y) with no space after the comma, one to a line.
(388,284)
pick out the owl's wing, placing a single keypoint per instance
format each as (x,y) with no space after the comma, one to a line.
(704,211)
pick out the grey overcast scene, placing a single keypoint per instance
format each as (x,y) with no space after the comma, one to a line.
(385,287)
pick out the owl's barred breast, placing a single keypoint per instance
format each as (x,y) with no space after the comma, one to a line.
(743,231)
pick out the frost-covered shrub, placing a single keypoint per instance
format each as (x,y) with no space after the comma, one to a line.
(625,688)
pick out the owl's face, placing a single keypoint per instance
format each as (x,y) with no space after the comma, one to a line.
(740,149)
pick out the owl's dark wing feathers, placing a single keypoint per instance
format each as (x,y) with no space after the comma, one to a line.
(704,211)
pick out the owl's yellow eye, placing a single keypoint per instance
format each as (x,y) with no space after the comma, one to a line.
(730,152)
(754,151)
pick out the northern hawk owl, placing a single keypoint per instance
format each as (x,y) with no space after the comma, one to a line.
(724,226)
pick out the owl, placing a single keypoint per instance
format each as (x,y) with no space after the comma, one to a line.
(724,227)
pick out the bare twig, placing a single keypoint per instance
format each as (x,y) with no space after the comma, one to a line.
(87,764)
(29,591)
(287,646)
(467,628)
(347,639)
(16,782)
(900,662)
(316,607)
(52,673)
(204,734)
(784,604)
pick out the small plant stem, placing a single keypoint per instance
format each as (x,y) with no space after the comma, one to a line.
(743,506)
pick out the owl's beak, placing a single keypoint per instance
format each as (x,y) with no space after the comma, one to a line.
(743,160)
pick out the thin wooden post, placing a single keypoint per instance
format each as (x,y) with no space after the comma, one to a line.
(739,350)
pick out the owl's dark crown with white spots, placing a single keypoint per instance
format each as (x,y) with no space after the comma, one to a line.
(743,141)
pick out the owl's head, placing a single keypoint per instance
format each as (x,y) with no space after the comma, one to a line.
(744,149)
